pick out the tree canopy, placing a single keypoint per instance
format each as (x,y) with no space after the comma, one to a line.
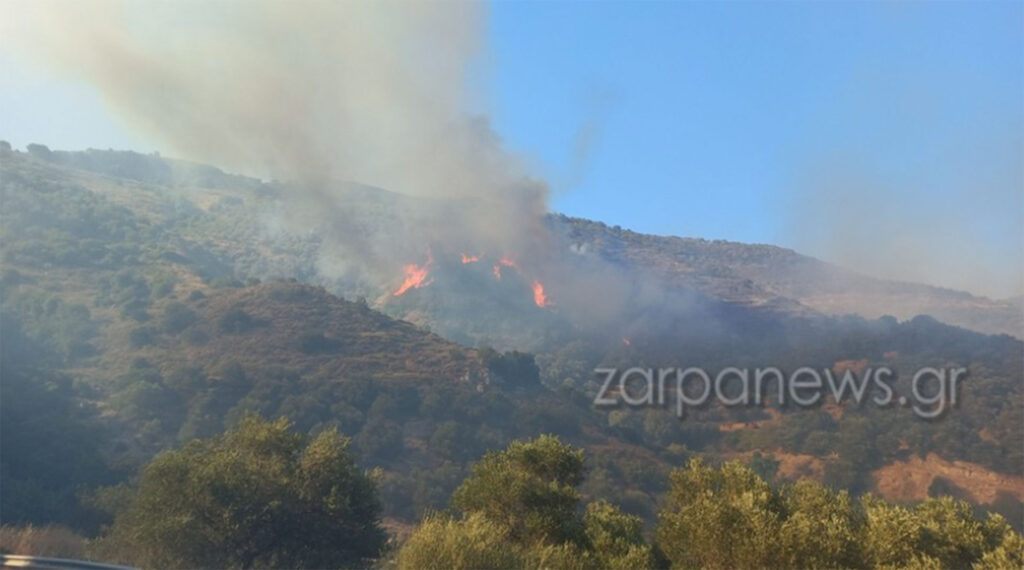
(729,517)
(529,489)
(260,495)
(521,509)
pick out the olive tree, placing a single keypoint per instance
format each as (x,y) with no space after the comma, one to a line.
(258,495)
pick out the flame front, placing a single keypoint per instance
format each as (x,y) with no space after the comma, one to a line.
(415,276)
(503,262)
(539,297)
(626,341)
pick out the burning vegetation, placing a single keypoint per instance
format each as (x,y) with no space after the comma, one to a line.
(417,276)
(539,297)
(503,262)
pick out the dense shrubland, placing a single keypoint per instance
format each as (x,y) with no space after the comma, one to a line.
(264,495)
(729,517)
(519,508)
(134,323)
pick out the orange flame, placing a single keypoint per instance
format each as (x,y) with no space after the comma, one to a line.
(538,295)
(470,258)
(503,262)
(415,276)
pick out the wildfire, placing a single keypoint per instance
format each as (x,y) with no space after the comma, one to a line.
(418,275)
(503,262)
(627,342)
(415,276)
(538,295)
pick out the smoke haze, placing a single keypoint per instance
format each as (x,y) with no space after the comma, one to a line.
(312,93)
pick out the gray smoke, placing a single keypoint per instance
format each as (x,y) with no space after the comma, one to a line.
(312,93)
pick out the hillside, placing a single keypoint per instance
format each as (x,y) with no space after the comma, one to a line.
(754,275)
(765,275)
(302,328)
(172,298)
(146,334)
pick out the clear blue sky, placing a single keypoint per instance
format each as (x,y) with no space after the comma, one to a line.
(755,122)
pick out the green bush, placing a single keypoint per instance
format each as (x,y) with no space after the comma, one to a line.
(236,321)
(731,518)
(141,336)
(520,510)
(444,543)
(529,489)
(163,284)
(177,317)
(260,495)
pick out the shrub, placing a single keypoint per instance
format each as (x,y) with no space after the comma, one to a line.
(615,538)
(163,284)
(141,336)
(529,489)
(236,321)
(317,343)
(177,317)
(260,495)
(448,544)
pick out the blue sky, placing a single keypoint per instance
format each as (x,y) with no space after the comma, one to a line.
(883,136)
(758,121)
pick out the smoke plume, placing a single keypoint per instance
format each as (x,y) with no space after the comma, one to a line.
(312,93)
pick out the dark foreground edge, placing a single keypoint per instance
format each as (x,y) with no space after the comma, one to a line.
(39,563)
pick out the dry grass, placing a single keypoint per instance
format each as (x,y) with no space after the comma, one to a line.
(910,480)
(51,541)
